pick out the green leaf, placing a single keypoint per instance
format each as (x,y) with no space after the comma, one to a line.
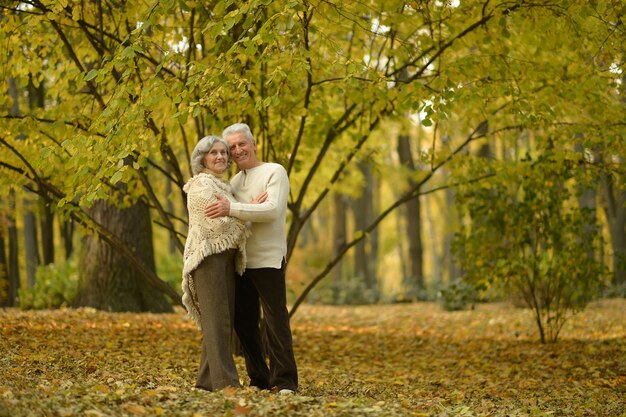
(128,52)
(91,75)
(116,177)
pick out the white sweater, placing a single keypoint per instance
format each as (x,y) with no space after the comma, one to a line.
(267,246)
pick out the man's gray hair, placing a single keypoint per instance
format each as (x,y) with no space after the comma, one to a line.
(203,147)
(238,128)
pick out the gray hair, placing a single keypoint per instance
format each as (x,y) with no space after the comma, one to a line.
(203,147)
(239,128)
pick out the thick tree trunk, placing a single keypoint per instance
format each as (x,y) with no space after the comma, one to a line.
(414,283)
(107,281)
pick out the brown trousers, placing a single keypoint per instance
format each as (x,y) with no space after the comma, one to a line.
(214,281)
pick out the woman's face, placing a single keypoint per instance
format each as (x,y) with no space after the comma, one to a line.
(216,159)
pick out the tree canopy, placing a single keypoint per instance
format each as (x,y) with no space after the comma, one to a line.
(128,87)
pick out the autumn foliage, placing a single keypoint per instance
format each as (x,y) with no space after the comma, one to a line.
(412,359)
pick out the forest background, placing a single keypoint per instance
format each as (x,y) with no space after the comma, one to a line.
(451,151)
(466,150)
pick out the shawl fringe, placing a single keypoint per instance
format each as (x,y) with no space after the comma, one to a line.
(226,234)
(207,248)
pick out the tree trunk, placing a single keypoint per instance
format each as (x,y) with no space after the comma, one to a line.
(67,235)
(170,208)
(4,271)
(455,271)
(13,265)
(616,215)
(587,201)
(414,283)
(402,253)
(106,280)
(339,240)
(434,243)
(363,214)
(46,223)
(374,235)
(30,243)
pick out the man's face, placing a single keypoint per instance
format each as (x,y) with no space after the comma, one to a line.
(242,151)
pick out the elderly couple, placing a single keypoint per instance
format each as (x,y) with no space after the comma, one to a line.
(229,268)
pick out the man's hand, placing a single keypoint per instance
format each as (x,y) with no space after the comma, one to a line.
(259,198)
(219,208)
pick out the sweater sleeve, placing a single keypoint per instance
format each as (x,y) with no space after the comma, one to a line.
(277,193)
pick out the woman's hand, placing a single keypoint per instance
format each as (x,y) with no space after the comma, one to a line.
(261,198)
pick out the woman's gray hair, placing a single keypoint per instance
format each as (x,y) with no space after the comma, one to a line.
(203,147)
(239,128)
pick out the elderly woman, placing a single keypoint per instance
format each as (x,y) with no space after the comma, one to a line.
(214,250)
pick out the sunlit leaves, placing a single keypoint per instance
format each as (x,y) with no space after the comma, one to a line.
(134,86)
(370,360)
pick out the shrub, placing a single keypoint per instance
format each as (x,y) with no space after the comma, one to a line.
(55,286)
(352,291)
(529,236)
(169,269)
(457,296)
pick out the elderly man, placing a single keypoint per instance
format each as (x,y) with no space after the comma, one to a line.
(264,276)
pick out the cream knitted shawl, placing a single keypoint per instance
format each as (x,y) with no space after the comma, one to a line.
(208,236)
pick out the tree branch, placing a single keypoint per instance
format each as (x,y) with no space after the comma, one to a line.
(44,188)
(159,208)
(411,194)
(307,97)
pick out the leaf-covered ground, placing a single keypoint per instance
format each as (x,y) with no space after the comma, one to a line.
(411,359)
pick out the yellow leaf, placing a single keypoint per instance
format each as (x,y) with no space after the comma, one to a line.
(239,409)
(101,388)
(135,409)
(94,413)
(167,388)
(151,393)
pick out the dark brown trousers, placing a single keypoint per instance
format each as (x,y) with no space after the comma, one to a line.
(214,281)
(266,285)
